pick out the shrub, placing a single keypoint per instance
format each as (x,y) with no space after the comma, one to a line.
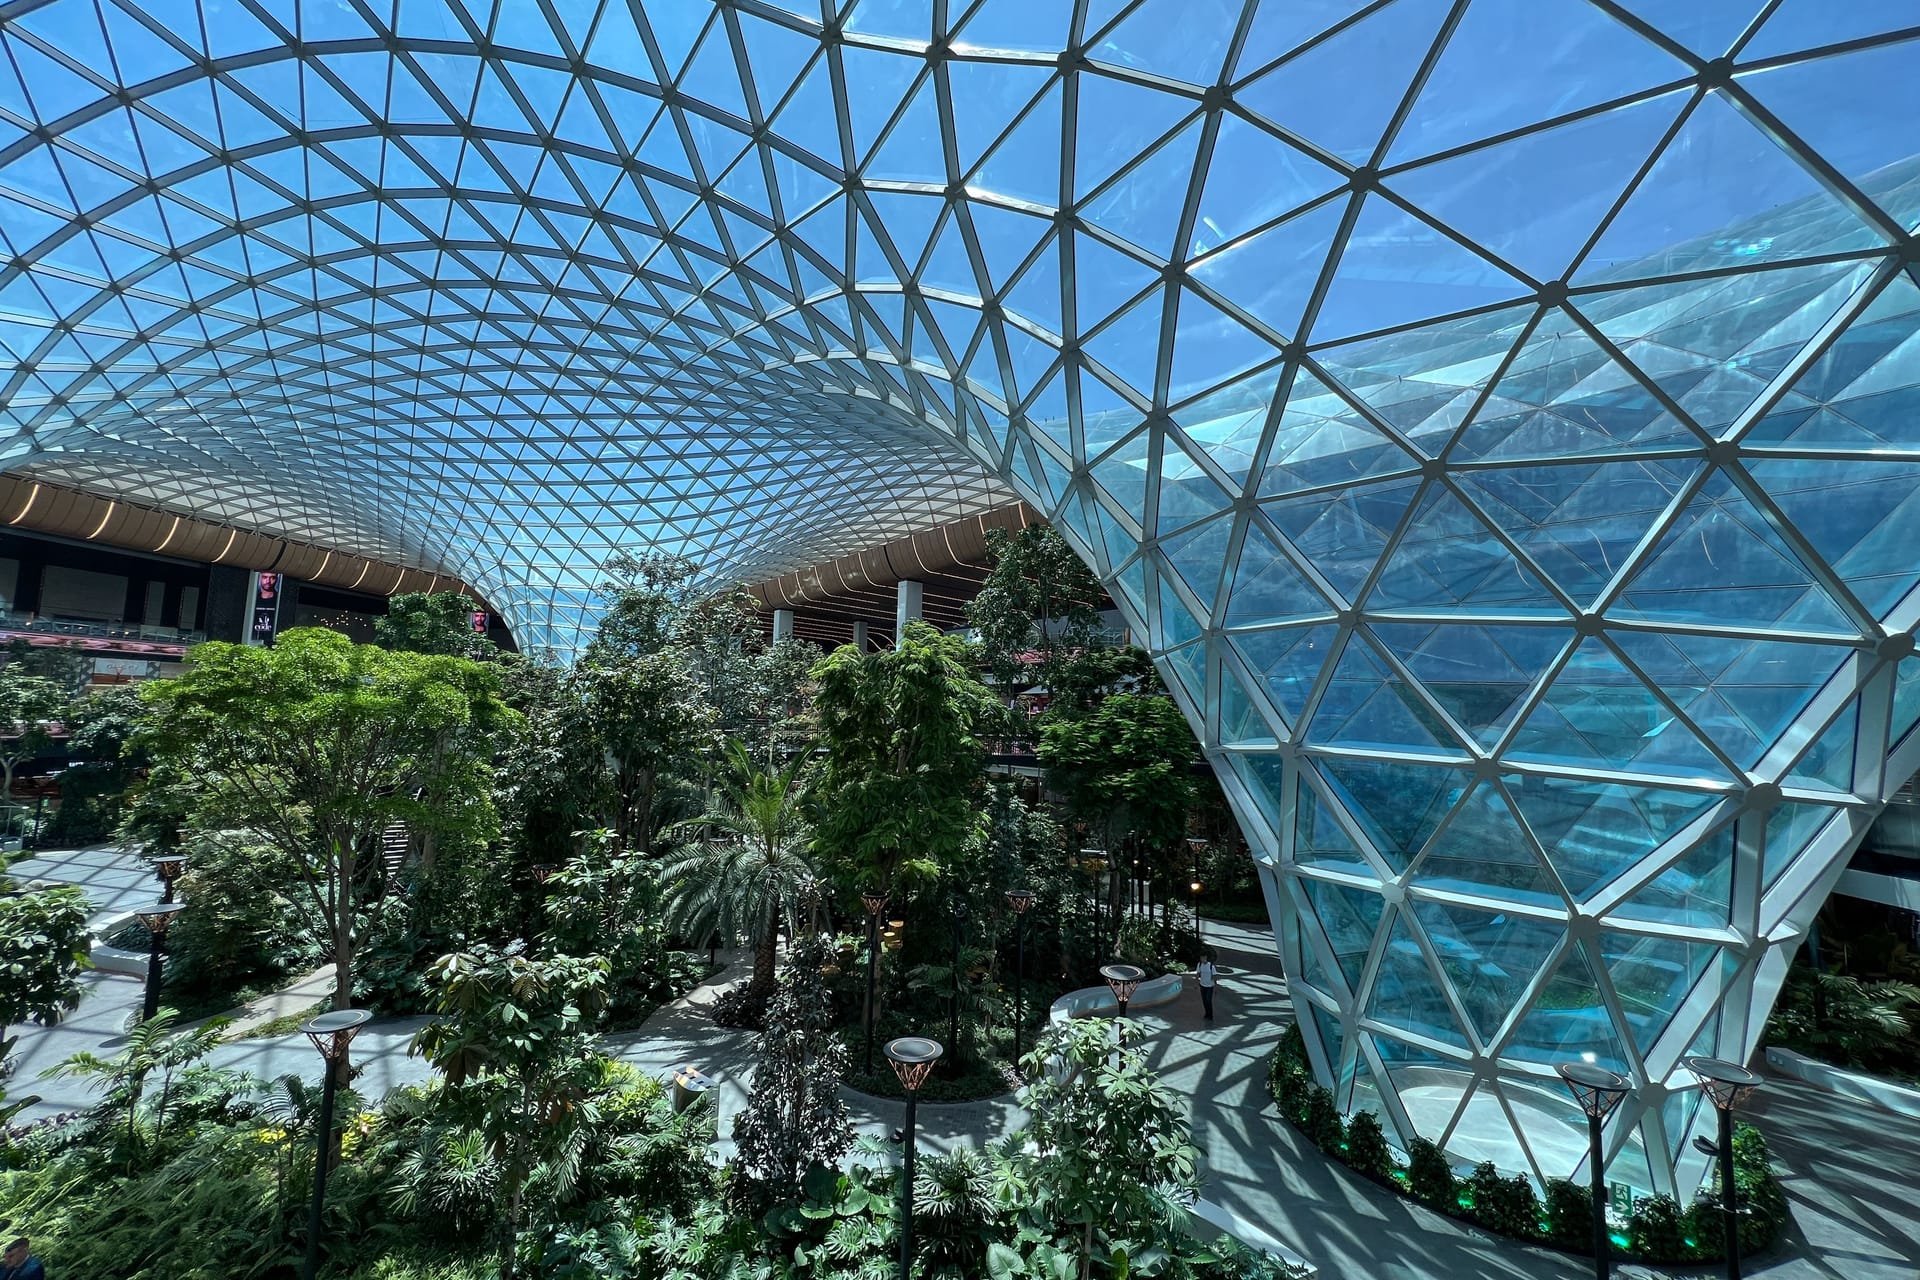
(1506,1205)
(1366,1150)
(243,931)
(1323,1125)
(1430,1177)
(1657,1231)
(1569,1214)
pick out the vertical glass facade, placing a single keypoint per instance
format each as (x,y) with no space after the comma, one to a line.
(1499,414)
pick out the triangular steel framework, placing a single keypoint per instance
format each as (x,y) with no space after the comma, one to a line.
(1499,415)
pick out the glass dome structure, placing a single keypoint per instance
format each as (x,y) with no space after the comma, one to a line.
(1502,416)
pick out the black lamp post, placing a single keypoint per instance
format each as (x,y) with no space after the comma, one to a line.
(156,917)
(912,1058)
(875,901)
(1197,849)
(1727,1085)
(331,1033)
(542,871)
(1121,980)
(959,927)
(1598,1091)
(1099,859)
(169,869)
(1020,900)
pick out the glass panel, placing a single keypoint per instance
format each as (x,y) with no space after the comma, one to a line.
(1349,917)
(1593,832)
(1319,839)
(1489,957)
(1289,660)
(1480,674)
(1483,852)
(1406,994)
(1398,804)
(1569,1021)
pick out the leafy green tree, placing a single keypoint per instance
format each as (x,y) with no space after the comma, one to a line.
(645,715)
(321,744)
(27,703)
(903,756)
(1130,760)
(1038,608)
(748,869)
(1106,1143)
(647,596)
(514,1040)
(441,623)
(68,666)
(795,1117)
(43,947)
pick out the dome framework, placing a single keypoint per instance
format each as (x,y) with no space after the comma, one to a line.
(1500,416)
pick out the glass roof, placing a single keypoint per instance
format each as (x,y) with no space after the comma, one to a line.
(1498,415)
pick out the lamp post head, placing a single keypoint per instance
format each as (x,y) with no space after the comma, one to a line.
(874,900)
(331,1033)
(541,870)
(1122,979)
(959,911)
(1727,1084)
(1020,900)
(1195,886)
(169,867)
(1596,1089)
(1197,845)
(912,1058)
(158,915)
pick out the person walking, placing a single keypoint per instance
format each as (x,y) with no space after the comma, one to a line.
(17,1263)
(1207,976)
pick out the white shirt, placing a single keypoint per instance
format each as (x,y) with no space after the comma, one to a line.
(1205,972)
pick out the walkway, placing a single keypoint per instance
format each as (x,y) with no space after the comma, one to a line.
(116,880)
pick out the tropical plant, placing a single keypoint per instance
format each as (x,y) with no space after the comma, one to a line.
(1106,1145)
(152,1046)
(795,1117)
(442,623)
(514,1042)
(321,745)
(43,946)
(645,715)
(901,732)
(27,703)
(1849,1021)
(748,869)
(956,1212)
(1037,611)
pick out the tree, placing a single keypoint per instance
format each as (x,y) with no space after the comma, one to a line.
(68,666)
(644,713)
(647,596)
(27,703)
(750,870)
(795,1117)
(902,736)
(514,1040)
(1106,1143)
(322,744)
(441,623)
(43,946)
(1039,606)
(1127,764)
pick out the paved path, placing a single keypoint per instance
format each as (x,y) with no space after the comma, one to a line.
(116,880)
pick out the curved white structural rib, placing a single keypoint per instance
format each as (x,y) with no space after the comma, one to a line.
(1500,414)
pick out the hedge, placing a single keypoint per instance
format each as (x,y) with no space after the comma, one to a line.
(1658,1230)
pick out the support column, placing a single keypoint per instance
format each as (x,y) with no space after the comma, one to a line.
(860,634)
(782,625)
(907,608)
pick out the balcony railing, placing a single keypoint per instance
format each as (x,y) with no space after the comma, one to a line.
(78,629)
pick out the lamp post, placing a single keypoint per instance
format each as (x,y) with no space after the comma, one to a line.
(959,926)
(542,871)
(1121,980)
(875,901)
(1196,849)
(1727,1085)
(331,1033)
(1598,1091)
(169,869)
(912,1058)
(156,917)
(1020,900)
(1099,858)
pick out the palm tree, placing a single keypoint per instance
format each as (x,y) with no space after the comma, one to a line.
(750,869)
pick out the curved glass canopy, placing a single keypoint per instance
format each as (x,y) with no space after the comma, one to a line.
(1500,415)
